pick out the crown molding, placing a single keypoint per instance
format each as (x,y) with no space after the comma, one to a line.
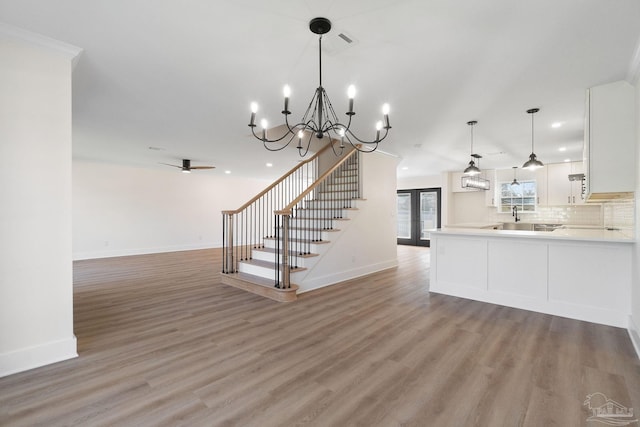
(15,33)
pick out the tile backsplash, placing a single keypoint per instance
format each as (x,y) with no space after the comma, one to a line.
(576,215)
(616,214)
(619,214)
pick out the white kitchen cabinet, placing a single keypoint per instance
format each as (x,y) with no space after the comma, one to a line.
(578,194)
(609,151)
(561,191)
(576,277)
(542,186)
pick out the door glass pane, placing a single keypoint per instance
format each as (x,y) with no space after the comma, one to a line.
(404,215)
(428,213)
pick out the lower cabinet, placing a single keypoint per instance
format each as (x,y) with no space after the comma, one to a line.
(581,279)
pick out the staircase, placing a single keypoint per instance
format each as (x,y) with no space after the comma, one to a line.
(272,240)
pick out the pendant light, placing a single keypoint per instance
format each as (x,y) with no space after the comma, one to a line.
(515,181)
(533,163)
(472,169)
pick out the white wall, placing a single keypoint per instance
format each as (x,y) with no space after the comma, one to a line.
(634,321)
(427,181)
(36,293)
(367,243)
(122,210)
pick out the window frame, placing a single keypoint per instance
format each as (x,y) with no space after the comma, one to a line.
(522,206)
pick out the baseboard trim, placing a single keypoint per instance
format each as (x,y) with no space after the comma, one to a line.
(80,256)
(37,356)
(634,334)
(343,276)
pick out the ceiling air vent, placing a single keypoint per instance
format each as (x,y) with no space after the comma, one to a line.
(345,38)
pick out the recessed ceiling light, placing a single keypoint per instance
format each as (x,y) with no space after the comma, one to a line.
(556,125)
(562,149)
(405,168)
(567,160)
(269,165)
(227,172)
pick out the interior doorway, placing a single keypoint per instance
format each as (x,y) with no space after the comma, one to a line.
(418,213)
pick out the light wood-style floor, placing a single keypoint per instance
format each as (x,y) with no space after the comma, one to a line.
(163,342)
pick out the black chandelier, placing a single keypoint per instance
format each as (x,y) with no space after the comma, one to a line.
(320,119)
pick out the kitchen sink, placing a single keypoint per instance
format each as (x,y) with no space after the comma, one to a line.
(517,226)
(529,227)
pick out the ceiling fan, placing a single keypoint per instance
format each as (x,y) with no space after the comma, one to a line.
(186,166)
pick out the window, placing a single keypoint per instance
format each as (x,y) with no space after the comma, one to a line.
(523,196)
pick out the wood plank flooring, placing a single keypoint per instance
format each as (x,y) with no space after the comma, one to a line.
(163,343)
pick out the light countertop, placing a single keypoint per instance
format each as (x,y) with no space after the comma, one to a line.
(475,225)
(583,234)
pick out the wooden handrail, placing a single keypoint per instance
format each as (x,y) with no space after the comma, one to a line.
(288,209)
(278,181)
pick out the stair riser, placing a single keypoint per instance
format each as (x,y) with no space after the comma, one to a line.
(312,247)
(340,187)
(299,261)
(267,273)
(322,214)
(336,204)
(345,180)
(309,235)
(313,223)
(256,270)
(348,177)
(328,195)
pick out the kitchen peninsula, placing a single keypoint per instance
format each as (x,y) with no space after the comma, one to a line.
(581,274)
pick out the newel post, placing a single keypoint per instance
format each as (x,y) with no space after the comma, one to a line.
(227,242)
(285,252)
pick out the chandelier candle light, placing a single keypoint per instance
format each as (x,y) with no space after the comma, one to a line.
(320,119)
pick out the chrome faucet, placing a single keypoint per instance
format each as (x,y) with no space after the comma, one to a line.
(515,213)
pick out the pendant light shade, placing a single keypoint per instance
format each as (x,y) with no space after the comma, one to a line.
(533,163)
(472,169)
(515,181)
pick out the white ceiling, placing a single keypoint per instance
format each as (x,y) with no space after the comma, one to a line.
(180,76)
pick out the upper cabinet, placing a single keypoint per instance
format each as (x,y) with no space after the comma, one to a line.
(609,148)
(561,191)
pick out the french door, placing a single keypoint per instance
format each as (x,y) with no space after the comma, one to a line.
(418,213)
